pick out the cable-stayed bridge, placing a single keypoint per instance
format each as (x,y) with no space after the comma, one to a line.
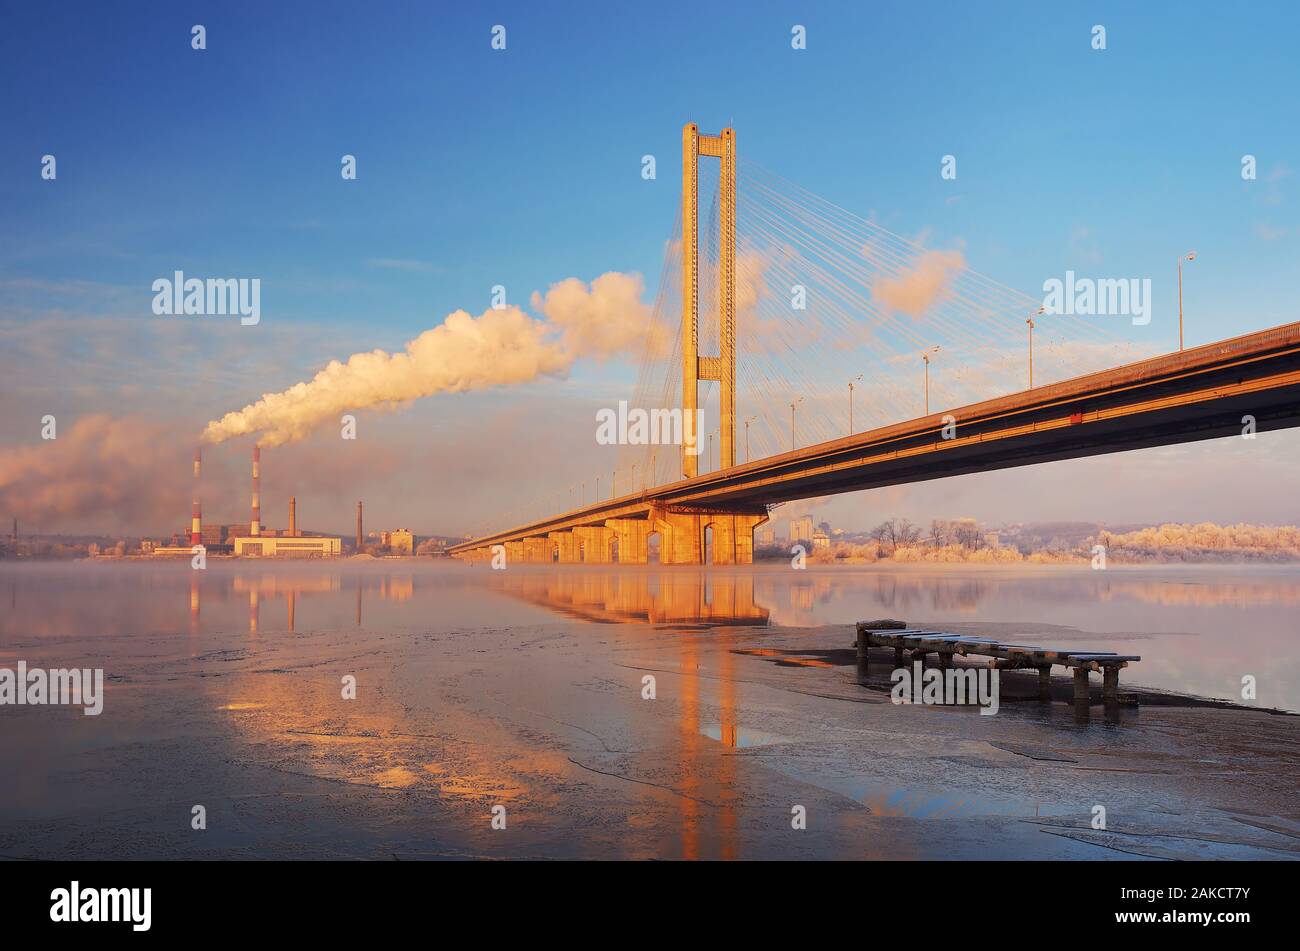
(809,351)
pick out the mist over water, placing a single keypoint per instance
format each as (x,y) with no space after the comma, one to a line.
(1199,629)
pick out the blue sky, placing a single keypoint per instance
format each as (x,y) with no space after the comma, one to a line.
(523,167)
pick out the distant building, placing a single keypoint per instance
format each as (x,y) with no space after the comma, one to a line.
(212,534)
(992,540)
(801,529)
(399,541)
(821,540)
(765,535)
(263,546)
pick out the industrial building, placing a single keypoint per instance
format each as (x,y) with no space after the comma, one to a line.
(399,541)
(251,539)
(302,546)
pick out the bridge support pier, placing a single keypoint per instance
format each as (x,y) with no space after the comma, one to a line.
(683,536)
(633,536)
(595,541)
(537,550)
(567,543)
(515,553)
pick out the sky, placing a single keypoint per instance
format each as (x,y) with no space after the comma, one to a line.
(522,168)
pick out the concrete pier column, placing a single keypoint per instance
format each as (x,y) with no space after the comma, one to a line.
(864,655)
(633,536)
(567,543)
(537,550)
(1081,685)
(514,553)
(682,536)
(1110,684)
(594,540)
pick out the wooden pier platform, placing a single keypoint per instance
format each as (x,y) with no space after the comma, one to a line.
(918,643)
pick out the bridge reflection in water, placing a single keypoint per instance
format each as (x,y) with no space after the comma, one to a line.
(668,597)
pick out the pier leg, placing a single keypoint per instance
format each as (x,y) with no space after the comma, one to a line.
(1045,684)
(863,649)
(1081,685)
(898,657)
(1110,684)
(945,660)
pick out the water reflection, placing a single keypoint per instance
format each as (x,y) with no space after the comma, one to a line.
(666,597)
(1200,629)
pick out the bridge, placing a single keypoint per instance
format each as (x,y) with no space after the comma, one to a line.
(1233,387)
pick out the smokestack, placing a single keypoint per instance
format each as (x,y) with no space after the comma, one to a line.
(358,526)
(293,519)
(255,529)
(196,512)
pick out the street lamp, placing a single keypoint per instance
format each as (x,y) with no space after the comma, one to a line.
(793,444)
(925,355)
(1030,322)
(747,422)
(634,477)
(1189,256)
(851,382)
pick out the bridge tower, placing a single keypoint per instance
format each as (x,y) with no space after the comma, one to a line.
(721,367)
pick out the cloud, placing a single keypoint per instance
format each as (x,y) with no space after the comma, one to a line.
(497,348)
(98,465)
(916,290)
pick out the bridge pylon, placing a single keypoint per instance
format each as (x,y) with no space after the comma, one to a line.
(722,367)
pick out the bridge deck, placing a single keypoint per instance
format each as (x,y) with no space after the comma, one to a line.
(1201,393)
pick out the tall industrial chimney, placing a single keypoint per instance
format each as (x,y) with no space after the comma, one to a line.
(255,529)
(293,517)
(358,526)
(196,512)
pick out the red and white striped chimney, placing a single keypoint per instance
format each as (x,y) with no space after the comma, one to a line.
(196,512)
(255,529)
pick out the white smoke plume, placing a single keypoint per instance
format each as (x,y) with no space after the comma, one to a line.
(497,348)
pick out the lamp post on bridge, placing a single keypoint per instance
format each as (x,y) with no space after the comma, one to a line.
(925,355)
(747,422)
(1189,256)
(712,467)
(1030,322)
(851,382)
(634,477)
(793,444)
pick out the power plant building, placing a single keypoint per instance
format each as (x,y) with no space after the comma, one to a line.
(285,546)
(271,544)
(399,541)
